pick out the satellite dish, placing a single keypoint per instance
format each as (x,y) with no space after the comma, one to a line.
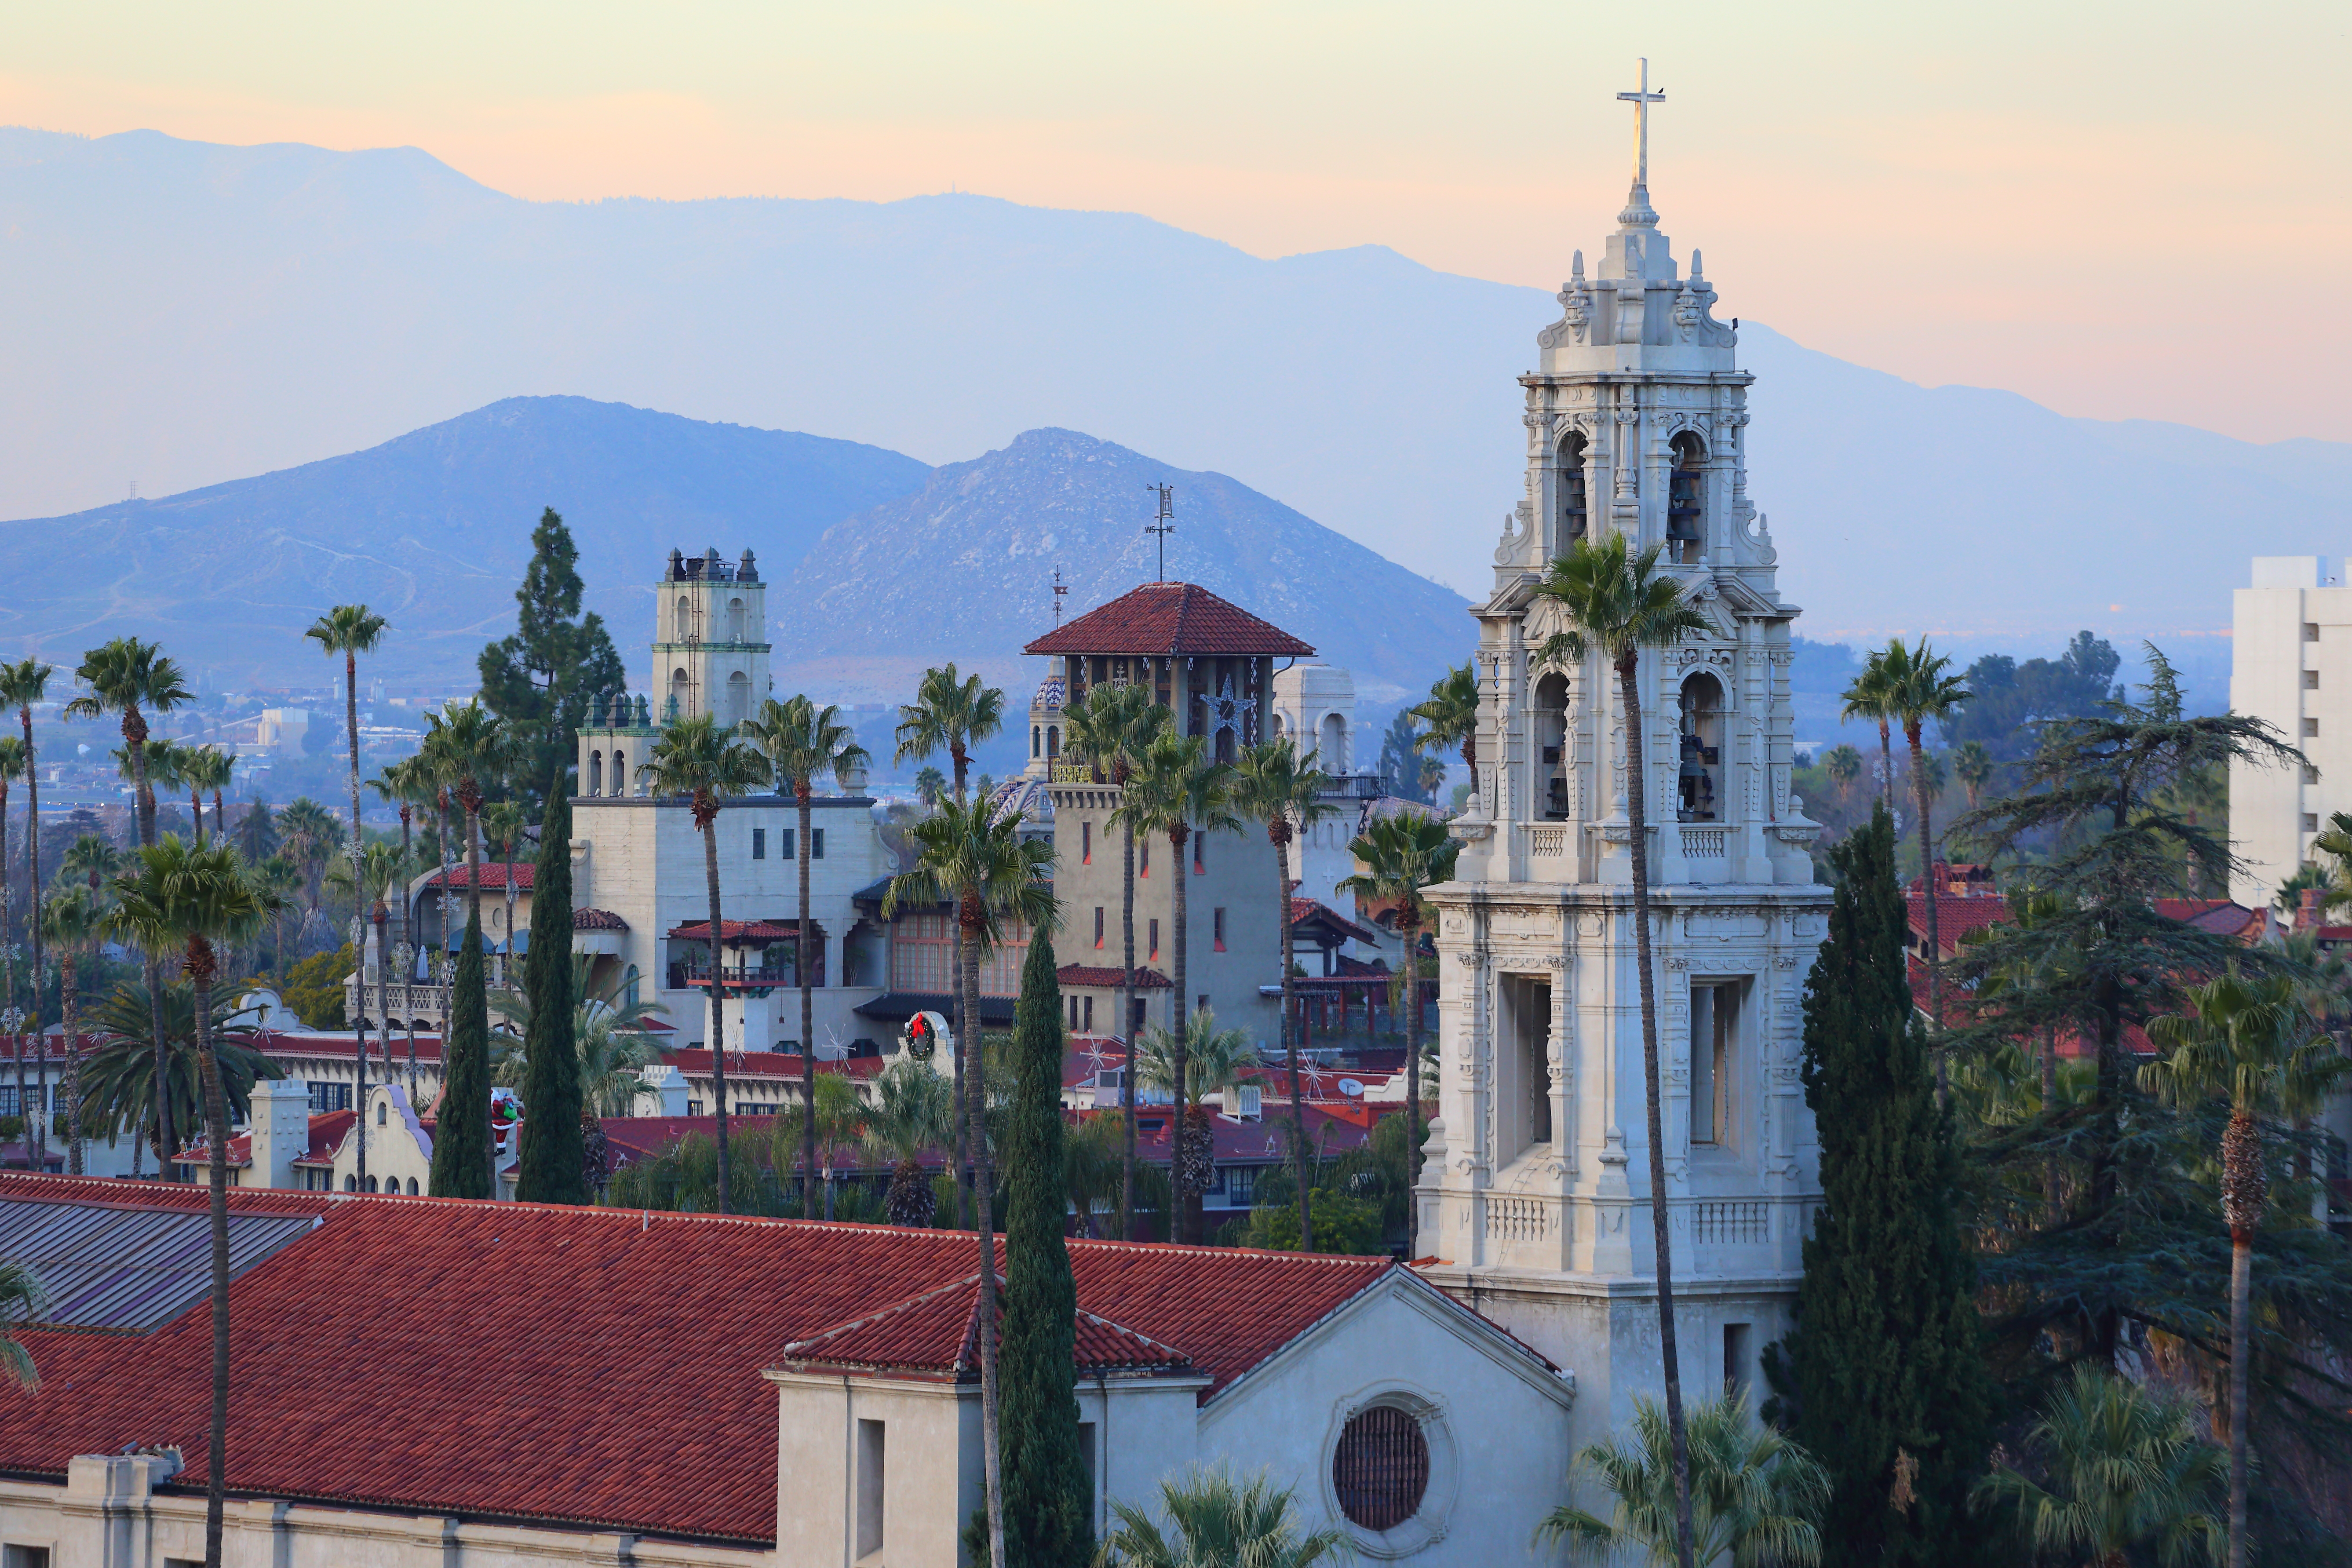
(927,1034)
(1350,1087)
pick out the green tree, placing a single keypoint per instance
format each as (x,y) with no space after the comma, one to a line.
(803,743)
(2251,1043)
(913,1113)
(350,631)
(117,1075)
(930,784)
(22,684)
(608,1030)
(1756,1496)
(1886,1364)
(552,1159)
(378,867)
(1047,1516)
(2122,1468)
(1276,786)
(22,1302)
(1451,711)
(256,833)
(503,823)
(542,679)
(1844,765)
(1920,687)
(406,784)
(1211,1519)
(827,1125)
(1869,696)
(464,1156)
(180,898)
(1616,607)
(313,989)
(71,922)
(1972,765)
(1401,855)
(976,859)
(132,678)
(1111,726)
(695,759)
(12,767)
(1400,760)
(950,713)
(1178,789)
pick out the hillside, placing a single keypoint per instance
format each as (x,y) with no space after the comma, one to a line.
(433,530)
(962,569)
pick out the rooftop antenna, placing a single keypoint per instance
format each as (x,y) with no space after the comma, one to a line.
(1061,592)
(1164,524)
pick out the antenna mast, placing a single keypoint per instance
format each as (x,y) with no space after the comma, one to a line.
(1164,524)
(1061,590)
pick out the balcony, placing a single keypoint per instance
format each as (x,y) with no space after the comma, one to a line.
(685,974)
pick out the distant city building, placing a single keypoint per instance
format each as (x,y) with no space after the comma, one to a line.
(2290,667)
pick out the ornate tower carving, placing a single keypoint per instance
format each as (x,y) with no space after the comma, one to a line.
(1536,1191)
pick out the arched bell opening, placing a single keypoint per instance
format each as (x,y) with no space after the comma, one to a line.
(1569,509)
(1686,500)
(1699,789)
(1551,745)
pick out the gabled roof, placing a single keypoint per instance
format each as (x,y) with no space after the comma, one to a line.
(1110,976)
(732,932)
(935,1334)
(1309,911)
(1171,618)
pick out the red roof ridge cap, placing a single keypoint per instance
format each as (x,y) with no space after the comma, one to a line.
(907,1303)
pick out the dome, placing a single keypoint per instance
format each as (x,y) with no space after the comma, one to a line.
(1028,796)
(1052,693)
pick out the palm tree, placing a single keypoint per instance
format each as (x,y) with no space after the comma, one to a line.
(2029,911)
(22,1301)
(1177,788)
(2122,1468)
(130,679)
(1918,687)
(12,767)
(71,921)
(503,824)
(205,770)
(974,857)
(350,631)
(608,1028)
(92,860)
(405,784)
(1616,607)
(1451,712)
(118,1076)
(1972,765)
(1866,698)
(22,684)
(281,881)
(2250,1042)
(930,784)
(1755,1495)
(309,835)
(951,714)
(1843,765)
(470,747)
(803,741)
(1186,1064)
(178,897)
(697,759)
(1217,1520)
(914,1111)
(381,867)
(1401,855)
(832,1122)
(1277,787)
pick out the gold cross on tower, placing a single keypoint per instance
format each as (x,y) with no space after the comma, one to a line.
(1637,204)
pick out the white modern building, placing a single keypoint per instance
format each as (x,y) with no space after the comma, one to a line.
(1537,1192)
(2290,666)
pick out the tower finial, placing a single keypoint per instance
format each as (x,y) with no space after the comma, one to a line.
(1638,213)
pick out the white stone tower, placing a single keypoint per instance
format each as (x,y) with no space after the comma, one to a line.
(1535,1192)
(710,631)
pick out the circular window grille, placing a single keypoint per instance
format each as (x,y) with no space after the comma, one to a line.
(1381,1467)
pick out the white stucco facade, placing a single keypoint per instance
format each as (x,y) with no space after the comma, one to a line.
(2290,666)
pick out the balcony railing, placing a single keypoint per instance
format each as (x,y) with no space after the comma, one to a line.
(683,975)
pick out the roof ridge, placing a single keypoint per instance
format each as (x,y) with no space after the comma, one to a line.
(905,1304)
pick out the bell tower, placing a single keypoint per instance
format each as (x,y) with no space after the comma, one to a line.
(710,638)
(1535,1195)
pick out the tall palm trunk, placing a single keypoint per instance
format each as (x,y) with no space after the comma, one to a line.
(196,813)
(1185,1202)
(1278,830)
(134,737)
(1409,926)
(2245,1188)
(408,962)
(1927,880)
(9,952)
(965,1019)
(1637,815)
(220,818)
(470,799)
(808,1010)
(200,976)
(971,921)
(441,958)
(1128,1218)
(1886,766)
(718,994)
(73,1062)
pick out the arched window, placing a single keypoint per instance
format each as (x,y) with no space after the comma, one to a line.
(382,1113)
(685,620)
(1551,745)
(619,771)
(1686,500)
(1036,741)
(412,1186)
(1380,1468)
(681,693)
(739,699)
(735,621)
(595,773)
(1053,741)
(351,1184)
(1699,786)
(1569,492)
(1332,751)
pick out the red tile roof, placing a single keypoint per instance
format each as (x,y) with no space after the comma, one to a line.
(1171,618)
(493,874)
(2219,916)
(739,930)
(935,1334)
(326,1131)
(695,1061)
(1956,917)
(270,1043)
(597,919)
(1306,912)
(1110,976)
(643,1337)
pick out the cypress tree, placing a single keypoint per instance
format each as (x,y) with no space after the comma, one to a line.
(1890,1386)
(1048,1522)
(553,1166)
(461,1132)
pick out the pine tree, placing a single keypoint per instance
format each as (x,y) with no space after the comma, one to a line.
(541,679)
(1891,1388)
(551,1169)
(461,1134)
(1047,1522)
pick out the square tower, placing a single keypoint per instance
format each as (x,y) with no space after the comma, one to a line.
(1535,1197)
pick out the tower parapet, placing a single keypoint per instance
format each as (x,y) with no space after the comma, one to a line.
(709,656)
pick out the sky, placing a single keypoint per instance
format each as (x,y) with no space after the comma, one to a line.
(2121,211)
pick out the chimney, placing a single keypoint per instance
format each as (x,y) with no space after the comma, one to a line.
(2306,913)
(279,1131)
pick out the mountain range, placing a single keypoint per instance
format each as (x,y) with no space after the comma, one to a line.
(188,313)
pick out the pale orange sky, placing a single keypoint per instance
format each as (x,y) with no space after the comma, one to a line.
(2118,210)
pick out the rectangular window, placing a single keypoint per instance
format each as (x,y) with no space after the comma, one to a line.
(1086,843)
(785,843)
(1090,1015)
(2310,726)
(869,1487)
(2311,631)
(2311,680)
(1198,839)
(1241,1184)
(1201,1005)
(1155,939)
(1217,929)
(1099,925)
(1143,857)
(8,1101)
(2310,774)
(1736,1337)
(1087,1448)
(39,1556)
(816,843)
(1074,1015)
(326,1096)
(758,843)
(1713,1010)
(2311,822)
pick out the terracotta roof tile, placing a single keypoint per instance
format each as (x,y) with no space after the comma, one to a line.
(597,919)
(1110,976)
(493,874)
(1171,618)
(737,931)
